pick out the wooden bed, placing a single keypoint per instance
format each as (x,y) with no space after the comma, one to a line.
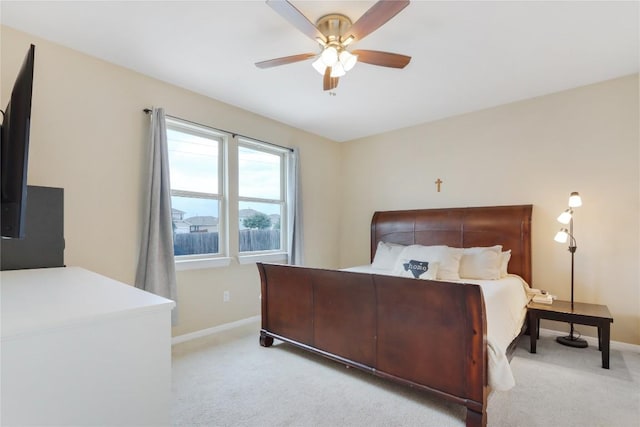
(429,335)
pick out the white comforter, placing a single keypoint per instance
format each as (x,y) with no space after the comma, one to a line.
(505,302)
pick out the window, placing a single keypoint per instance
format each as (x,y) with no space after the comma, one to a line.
(262,211)
(197,198)
(214,216)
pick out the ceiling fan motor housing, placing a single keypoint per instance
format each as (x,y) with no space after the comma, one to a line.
(333,26)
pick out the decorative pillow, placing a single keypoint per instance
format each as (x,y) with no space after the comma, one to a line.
(448,259)
(425,270)
(504,262)
(386,255)
(481,263)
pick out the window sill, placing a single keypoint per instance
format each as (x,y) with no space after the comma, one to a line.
(273,257)
(197,264)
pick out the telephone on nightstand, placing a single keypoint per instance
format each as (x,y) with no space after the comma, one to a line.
(539,296)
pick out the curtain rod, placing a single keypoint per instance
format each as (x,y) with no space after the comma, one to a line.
(233,134)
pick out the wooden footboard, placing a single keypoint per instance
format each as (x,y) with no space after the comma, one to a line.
(426,334)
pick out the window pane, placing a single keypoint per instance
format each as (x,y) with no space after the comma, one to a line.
(193,162)
(195,225)
(259,227)
(259,174)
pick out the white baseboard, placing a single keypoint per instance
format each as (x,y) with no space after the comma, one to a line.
(615,345)
(214,330)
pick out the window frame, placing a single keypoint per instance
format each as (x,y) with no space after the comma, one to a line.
(221,258)
(228,198)
(271,255)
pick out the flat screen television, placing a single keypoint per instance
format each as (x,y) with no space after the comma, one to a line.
(14,152)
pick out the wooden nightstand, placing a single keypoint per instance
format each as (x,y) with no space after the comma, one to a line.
(582,314)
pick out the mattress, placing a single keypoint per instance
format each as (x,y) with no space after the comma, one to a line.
(505,302)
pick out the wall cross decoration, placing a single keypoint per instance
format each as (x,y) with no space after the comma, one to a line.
(438,182)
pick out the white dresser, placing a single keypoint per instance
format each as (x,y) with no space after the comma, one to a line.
(79,348)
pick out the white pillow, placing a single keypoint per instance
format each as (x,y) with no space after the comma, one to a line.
(481,263)
(448,259)
(425,270)
(386,255)
(504,263)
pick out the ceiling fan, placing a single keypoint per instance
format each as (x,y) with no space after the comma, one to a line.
(334,32)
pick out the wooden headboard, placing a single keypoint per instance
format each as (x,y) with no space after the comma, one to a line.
(509,226)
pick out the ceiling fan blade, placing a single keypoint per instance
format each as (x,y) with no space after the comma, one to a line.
(284,60)
(384,59)
(296,18)
(329,82)
(375,17)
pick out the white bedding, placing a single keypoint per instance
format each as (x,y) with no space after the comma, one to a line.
(505,302)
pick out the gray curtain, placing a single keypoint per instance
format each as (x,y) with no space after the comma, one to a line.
(156,269)
(294,232)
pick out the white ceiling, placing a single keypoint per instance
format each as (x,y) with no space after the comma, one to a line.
(466,56)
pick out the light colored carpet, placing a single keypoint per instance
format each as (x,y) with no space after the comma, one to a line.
(229,380)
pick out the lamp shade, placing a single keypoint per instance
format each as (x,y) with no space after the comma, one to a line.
(337,70)
(319,66)
(562,236)
(565,216)
(329,56)
(348,60)
(575,200)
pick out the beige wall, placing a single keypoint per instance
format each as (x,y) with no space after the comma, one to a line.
(531,152)
(88,136)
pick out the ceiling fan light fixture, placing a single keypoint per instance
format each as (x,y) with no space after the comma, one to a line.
(319,66)
(334,33)
(348,60)
(338,70)
(329,56)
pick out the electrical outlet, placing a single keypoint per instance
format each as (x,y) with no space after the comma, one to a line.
(226,297)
